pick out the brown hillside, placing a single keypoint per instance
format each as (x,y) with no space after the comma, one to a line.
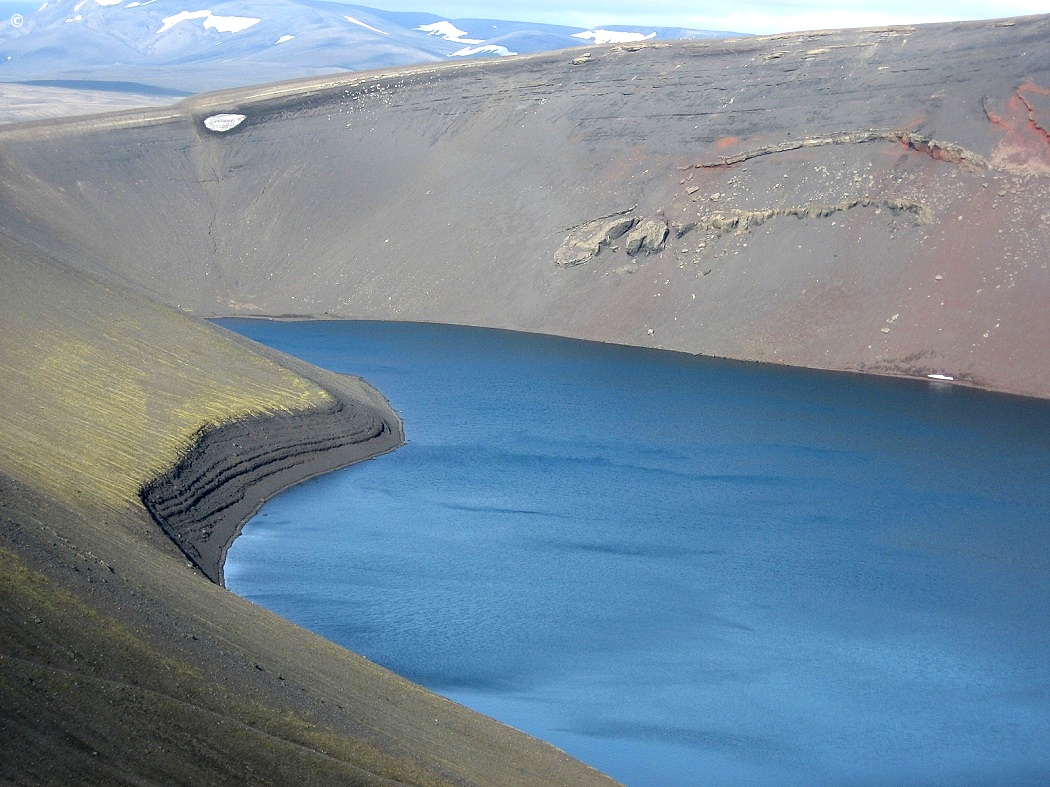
(864,200)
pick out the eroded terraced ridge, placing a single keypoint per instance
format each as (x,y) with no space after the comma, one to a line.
(220,481)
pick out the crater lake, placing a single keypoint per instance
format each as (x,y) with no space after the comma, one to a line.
(683,570)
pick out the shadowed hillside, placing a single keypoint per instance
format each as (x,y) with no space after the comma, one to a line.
(871,200)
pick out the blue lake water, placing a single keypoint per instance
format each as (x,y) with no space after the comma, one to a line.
(683,570)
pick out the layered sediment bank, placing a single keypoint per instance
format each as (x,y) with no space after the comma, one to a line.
(204,500)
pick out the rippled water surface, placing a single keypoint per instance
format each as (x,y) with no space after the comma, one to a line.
(682,570)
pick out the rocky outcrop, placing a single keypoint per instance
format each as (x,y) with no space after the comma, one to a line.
(741,220)
(647,237)
(587,240)
(644,236)
(936,149)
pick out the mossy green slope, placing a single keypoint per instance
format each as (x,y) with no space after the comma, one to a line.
(108,395)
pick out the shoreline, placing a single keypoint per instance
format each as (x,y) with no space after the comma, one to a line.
(963,381)
(204,501)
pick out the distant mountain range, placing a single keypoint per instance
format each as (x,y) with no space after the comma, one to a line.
(175,46)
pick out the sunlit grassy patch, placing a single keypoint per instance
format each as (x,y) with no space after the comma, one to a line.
(102,391)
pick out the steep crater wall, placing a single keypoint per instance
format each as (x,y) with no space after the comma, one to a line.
(864,200)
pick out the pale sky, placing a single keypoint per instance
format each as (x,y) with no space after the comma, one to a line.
(742,16)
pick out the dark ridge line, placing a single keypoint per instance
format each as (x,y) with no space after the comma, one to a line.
(1032,117)
(230,471)
(113,86)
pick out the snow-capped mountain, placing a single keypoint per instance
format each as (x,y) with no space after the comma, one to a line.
(176,45)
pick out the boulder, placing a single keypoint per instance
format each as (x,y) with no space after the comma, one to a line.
(647,237)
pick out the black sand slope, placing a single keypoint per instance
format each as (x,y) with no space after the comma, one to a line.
(869,200)
(860,200)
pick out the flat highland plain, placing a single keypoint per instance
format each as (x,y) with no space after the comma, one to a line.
(867,200)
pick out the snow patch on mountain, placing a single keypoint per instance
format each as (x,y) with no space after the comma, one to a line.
(222,24)
(369,27)
(502,51)
(223,122)
(449,32)
(602,36)
(284,38)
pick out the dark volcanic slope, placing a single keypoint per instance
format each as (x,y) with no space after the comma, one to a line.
(204,499)
(862,200)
